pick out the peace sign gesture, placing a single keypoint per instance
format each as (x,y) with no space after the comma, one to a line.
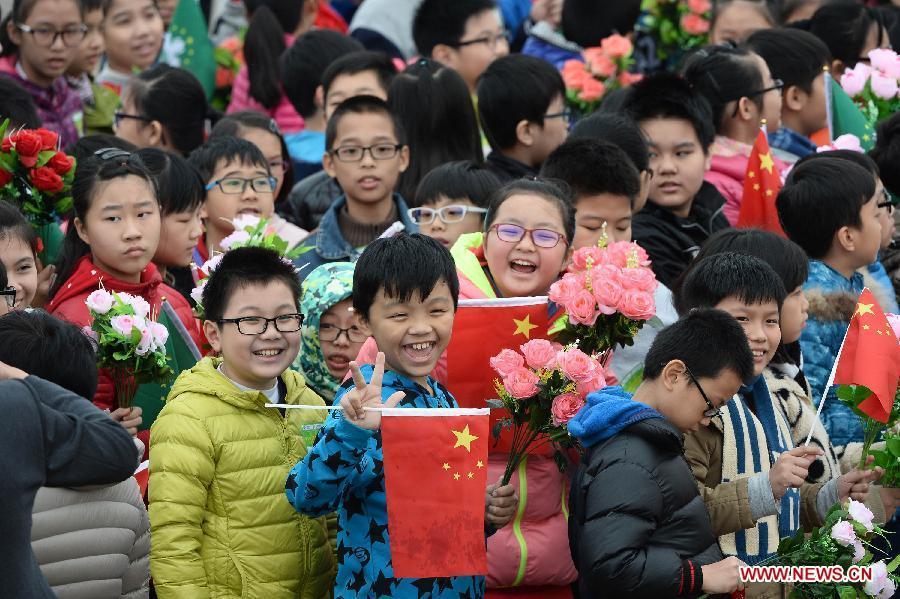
(367,395)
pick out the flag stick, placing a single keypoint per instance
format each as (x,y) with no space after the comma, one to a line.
(827,386)
(286,406)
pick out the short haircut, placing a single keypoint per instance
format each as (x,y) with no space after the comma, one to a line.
(176,99)
(512,89)
(886,152)
(844,27)
(17,105)
(229,149)
(666,96)
(52,349)
(720,276)
(304,63)
(794,56)
(86,146)
(555,192)
(460,179)
(387,264)
(360,62)
(442,22)
(689,339)
(863,160)
(14,225)
(619,129)
(362,105)
(723,74)
(586,22)
(591,167)
(819,197)
(245,267)
(180,188)
(90,5)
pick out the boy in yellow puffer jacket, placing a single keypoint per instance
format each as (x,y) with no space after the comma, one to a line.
(220,525)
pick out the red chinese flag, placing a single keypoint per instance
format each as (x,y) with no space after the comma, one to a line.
(435,475)
(870,357)
(762,182)
(480,330)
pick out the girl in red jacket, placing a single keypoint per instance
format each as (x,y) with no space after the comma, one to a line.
(111,240)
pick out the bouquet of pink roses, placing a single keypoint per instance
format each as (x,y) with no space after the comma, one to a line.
(542,387)
(875,88)
(129,342)
(604,69)
(607,294)
(677,26)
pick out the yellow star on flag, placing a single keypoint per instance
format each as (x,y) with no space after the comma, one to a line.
(464,438)
(766,162)
(865,327)
(768,192)
(863,309)
(751,174)
(524,326)
(756,187)
(479,464)
(446,466)
(456,476)
(470,475)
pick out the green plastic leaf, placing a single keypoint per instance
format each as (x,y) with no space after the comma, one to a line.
(846,592)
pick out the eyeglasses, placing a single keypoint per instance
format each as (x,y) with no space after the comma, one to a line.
(118,117)
(257,325)
(493,40)
(713,411)
(47,36)
(238,185)
(356,153)
(888,201)
(565,115)
(330,332)
(453,213)
(776,84)
(10,294)
(511,233)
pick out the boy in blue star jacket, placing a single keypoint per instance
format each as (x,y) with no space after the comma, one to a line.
(409,307)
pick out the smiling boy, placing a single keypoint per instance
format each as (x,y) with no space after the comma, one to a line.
(409,306)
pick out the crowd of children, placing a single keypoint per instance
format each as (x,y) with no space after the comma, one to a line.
(410,155)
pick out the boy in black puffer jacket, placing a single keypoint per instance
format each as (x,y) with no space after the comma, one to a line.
(652,536)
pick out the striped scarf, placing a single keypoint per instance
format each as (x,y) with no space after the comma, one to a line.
(751,444)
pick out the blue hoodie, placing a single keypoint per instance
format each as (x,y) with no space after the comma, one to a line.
(606,413)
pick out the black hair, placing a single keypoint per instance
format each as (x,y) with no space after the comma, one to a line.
(85,146)
(88,176)
(886,152)
(587,22)
(794,56)
(555,192)
(90,5)
(719,276)
(14,225)
(844,27)
(360,62)
(689,339)
(304,63)
(21,10)
(179,186)
(235,123)
(591,167)
(461,179)
(719,6)
(362,105)
(242,268)
(52,349)
(787,8)
(230,149)
(264,45)
(819,197)
(175,98)
(386,265)
(619,129)
(442,22)
(668,96)
(17,105)
(4,282)
(516,88)
(890,18)
(724,74)
(863,160)
(434,104)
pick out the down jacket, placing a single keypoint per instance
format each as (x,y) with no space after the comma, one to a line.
(93,543)
(221,526)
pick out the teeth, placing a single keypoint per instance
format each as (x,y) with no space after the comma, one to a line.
(267,352)
(523,263)
(758,354)
(421,346)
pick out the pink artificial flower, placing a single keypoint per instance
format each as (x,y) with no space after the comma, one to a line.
(637,305)
(146,343)
(694,24)
(564,408)
(842,533)
(853,81)
(90,333)
(883,86)
(577,365)
(539,354)
(608,293)
(506,362)
(140,305)
(626,78)
(847,141)
(583,308)
(99,301)
(592,90)
(563,291)
(574,74)
(860,513)
(160,333)
(521,383)
(894,321)
(618,253)
(699,7)
(582,256)
(859,552)
(599,63)
(197,292)
(641,279)
(616,46)
(211,265)
(123,324)
(245,221)
(881,585)
(886,61)
(239,236)
(594,383)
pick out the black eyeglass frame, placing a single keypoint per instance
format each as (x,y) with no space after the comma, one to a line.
(273,320)
(491,40)
(341,331)
(10,294)
(336,152)
(273,183)
(57,34)
(776,84)
(713,411)
(527,231)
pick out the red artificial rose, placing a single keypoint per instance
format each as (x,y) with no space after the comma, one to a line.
(5,177)
(60,163)
(28,145)
(49,139)
(8,142)
(46,179)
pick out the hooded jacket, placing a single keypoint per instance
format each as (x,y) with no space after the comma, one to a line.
(650,537)
(68,304)
(672,241)
(220,524)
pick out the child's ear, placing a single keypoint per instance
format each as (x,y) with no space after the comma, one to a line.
(524,134)
(156,136)
(211,330)
(81,230)
(837,69)
(404,159)
(444,54)
(745,108)
(671,373)
(15,36)
(795,98)
(846,239)
(319,98)
(328,164)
